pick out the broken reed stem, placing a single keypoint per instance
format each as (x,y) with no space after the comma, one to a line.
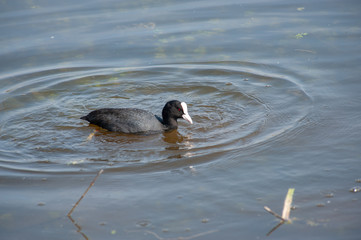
(287,204)
(286,210)
(82,196)
(286,207)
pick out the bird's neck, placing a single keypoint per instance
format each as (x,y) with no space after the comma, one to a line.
(171,123)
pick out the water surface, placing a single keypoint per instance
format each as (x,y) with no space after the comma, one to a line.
(272,88)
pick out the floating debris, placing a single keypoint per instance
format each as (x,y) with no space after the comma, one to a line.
(312,223)
(143,223)
(205,220)
(75,162)
(300,35)
(355,189)
(91,136)
(193,169)
(329,195)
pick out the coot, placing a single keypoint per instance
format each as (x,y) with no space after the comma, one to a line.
(133,120)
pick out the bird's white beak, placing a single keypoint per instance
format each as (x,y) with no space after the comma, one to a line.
(186,115)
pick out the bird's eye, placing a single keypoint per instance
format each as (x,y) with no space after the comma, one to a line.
(179,109)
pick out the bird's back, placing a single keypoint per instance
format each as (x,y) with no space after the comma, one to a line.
(126,120)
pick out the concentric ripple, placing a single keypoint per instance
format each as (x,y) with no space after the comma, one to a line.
(237,108)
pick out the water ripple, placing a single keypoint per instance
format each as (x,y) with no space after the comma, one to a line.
(237,108)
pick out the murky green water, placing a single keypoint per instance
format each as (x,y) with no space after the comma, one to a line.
(273,89)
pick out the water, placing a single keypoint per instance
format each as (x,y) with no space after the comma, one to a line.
(272,88)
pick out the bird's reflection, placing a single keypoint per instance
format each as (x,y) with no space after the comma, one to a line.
(173,137)
(178,143)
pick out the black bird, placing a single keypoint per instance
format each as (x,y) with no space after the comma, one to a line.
(133,120)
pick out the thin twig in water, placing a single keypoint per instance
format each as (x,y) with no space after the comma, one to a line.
(77,203)
(181,238)
(273,213)
(82,196)
(305,50)
(273,229)
(78,227)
